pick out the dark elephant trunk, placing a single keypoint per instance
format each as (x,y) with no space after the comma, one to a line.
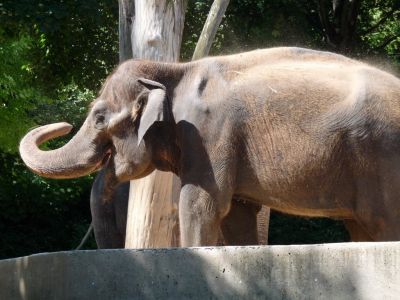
(79,157)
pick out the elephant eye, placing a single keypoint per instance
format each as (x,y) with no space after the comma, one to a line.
(100,121)
(100,118)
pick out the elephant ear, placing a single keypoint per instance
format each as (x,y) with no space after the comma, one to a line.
(156,109)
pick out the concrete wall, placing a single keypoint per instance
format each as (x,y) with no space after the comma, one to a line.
(330,271)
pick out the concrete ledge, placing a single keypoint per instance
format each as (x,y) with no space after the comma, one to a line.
(329,271)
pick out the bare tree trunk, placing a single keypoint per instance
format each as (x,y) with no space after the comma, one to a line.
(126,18)
(153,201)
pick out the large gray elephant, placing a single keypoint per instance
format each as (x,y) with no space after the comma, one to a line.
(304,132)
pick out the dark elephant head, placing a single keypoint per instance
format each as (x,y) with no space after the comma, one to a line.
(126,108)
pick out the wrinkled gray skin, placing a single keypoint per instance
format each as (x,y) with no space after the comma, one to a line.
(239,227)
(304,132)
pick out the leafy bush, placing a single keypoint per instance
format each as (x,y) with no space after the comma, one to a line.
(17,93)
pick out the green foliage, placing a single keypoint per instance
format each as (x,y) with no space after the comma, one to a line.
(380,29)
(71,106)
(76,40)
(17,93)
(47,46)
(52,56)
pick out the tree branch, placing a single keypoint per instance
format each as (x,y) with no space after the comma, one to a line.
(210,28)
(84,239)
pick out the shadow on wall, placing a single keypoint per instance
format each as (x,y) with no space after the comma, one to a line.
(343,271)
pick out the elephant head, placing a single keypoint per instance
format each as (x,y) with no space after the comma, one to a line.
(112,134)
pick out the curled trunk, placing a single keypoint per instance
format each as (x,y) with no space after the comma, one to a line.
(79,157)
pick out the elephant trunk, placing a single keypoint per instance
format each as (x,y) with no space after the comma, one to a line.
(79,157)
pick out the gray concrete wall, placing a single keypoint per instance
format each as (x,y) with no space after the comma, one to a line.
(330,271)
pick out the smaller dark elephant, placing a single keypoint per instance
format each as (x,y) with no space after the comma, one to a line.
(109,217)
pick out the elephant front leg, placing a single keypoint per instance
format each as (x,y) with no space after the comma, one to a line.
(200,215)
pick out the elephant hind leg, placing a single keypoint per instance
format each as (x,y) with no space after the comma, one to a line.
(356,232)
(246,224)
(377,207)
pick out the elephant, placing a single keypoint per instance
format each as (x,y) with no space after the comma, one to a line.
(109,218)
(301,131)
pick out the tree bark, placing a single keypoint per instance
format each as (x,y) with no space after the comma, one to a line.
(157,30)
(153,201)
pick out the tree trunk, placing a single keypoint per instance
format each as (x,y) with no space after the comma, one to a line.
(126,18)
(157,30)
(339,21)
(153,201)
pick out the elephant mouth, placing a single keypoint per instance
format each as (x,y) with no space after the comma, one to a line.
(104,161)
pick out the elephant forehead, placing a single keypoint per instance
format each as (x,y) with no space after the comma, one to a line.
(99,104)
(120,88)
